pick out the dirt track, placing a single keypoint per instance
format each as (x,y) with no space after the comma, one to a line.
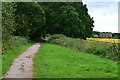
(22,65)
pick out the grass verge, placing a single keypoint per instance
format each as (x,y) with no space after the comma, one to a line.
(0,65)
(106,49)
(8,57)
(53,61)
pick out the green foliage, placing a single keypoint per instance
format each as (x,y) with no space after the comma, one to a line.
(8,57)
(116,35)
(55,37)
(12,43)
(70,19)
(86,20)
(116,51)
(30,18)
(9,41)
(35,20)
(0,65)
(53,61)
(65,23)
(8,23)
(108,50)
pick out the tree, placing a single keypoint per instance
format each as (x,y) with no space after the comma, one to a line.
(86,20)
(30,18)
(70,19)
(35,20)
(8,22)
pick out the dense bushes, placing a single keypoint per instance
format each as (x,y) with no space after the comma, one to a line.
(56,38)
(9,41)
(108,50)
(8,23)
(12,43)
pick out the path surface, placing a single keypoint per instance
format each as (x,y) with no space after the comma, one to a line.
(22,65)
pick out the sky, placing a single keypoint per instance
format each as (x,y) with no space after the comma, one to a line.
(104,13)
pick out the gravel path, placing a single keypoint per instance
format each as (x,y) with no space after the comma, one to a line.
(22,65)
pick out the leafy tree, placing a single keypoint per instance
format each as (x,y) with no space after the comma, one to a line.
(70,19)
(30,18)
(86,20)
(35,20)
(8,22)
(96,32)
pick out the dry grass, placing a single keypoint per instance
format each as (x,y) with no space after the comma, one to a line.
(106,40)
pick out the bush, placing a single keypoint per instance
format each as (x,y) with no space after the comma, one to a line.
(56,38)
(116,51)
(108,50)
(13,42)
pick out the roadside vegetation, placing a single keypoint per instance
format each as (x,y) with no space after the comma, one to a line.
(13,42)
(54,61)
(0,65)
(104,49)
(8,58)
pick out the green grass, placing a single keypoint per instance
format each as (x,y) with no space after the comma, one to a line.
(53,61)
(0,65)
(8,57)
(106,49)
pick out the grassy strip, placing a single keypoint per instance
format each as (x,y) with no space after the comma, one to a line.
(8,58)
(53,61)
(0,65)
(106,49)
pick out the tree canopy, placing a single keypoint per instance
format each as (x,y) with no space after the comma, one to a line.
(70,19)
(8,22)
(35,20)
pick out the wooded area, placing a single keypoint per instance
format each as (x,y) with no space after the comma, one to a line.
(34,21)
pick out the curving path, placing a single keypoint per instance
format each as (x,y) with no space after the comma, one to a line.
(22,65)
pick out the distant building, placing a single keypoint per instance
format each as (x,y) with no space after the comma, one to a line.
(96,35)
(105,35)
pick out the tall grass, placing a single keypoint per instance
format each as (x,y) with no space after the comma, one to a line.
(116,51)
(0,65)
(106,49)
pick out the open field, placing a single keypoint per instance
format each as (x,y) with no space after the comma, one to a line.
(106,40)
(53,61)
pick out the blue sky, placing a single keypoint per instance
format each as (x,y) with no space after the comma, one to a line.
(104,13)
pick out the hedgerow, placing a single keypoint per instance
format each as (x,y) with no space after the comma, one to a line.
(108,50)
(13,42)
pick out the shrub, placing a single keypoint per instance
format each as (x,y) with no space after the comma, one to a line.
(56,38)
(116,51)
(13,42)
(106,49)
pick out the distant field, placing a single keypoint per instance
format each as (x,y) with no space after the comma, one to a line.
(106,40)
(54,61)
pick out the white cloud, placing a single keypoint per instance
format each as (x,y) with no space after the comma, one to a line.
(105,16)
(107,23)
